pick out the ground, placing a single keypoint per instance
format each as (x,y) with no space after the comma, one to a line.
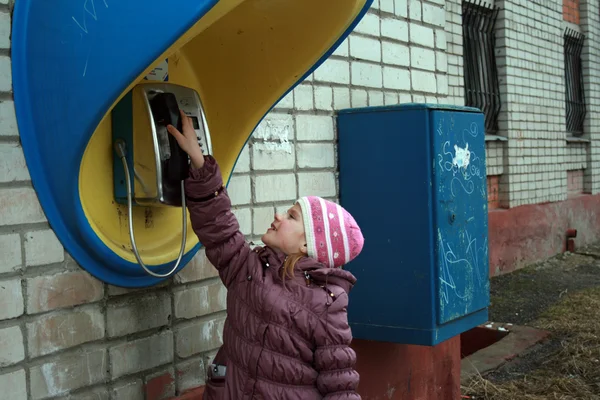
(560,295)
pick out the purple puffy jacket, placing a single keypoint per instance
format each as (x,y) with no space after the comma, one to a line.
(279,342)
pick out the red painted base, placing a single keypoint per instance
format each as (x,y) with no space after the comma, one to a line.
(393,371)
(527,234)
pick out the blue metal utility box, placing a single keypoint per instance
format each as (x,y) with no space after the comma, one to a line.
(413,176)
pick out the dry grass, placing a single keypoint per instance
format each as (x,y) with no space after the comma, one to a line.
(570,373)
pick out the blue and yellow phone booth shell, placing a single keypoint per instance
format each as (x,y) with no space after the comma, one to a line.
(73,60)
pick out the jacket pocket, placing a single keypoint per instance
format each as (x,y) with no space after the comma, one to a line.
(215,387)
(214,390)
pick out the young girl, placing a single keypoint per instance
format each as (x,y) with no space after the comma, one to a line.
(286,335)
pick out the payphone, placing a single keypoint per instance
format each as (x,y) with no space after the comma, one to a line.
(145,150)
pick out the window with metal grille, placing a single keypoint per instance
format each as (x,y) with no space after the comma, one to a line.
(575,99)
(481,73)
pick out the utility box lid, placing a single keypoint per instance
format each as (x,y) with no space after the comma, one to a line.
(409,106)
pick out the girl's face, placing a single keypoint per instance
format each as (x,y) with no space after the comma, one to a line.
(287,232)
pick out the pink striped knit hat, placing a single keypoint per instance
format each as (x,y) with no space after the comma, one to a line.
(332,235)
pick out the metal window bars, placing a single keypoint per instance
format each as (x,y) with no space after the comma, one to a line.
(482,89)
(574,94)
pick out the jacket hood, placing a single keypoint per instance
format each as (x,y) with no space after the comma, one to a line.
(319,273)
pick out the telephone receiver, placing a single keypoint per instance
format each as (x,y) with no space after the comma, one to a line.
(166,112)
(145,150)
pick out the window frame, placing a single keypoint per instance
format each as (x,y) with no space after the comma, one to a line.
(575,104)
(481,78)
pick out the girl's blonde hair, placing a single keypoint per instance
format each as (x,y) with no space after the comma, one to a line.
(290,264)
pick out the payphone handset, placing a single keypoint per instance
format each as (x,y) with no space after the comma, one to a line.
(163,102)
(159,165)
(173,160)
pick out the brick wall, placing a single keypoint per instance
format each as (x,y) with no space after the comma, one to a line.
(575,182)
(64,333)
(576,156)
(454,35)
(571,11)
(532,163)
(531,67)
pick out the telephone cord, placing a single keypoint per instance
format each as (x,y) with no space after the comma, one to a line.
(120,148)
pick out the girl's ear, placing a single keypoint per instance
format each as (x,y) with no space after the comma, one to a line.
(304,249)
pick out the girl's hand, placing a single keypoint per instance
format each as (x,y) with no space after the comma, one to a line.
(188,140)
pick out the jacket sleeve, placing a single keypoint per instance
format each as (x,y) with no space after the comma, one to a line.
(334,359)
(213,221)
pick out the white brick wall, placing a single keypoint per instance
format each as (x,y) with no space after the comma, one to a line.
(42,247)
(263,217)
(533,163)
(20,206)
(10,248)
(12,349)
(577,156)
(494,157)
(275,187)
(421,35)
(453,43)
(314,127)
(14,385)
(334,71)
(11,298)
(531,67)
(403,51)
(5,73)
(12,163)
(8,118)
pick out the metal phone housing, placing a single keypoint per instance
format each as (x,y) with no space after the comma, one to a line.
(151,146)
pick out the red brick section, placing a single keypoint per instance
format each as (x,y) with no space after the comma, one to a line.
(575,182)
(157,387)
(571,11)
(493,184)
